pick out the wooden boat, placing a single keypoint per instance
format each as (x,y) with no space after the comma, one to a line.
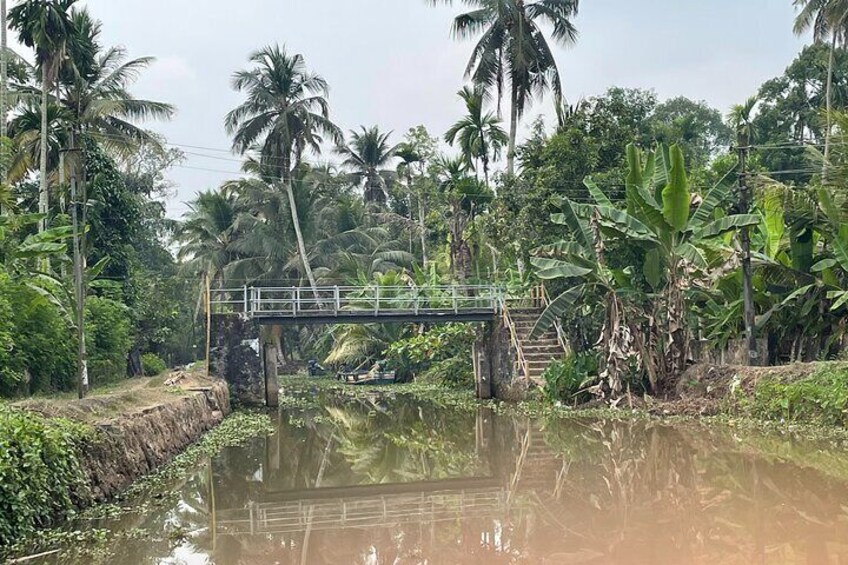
(367,377)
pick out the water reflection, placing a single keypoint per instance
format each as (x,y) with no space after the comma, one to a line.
(395,480)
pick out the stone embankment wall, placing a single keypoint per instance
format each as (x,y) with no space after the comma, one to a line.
(135,444)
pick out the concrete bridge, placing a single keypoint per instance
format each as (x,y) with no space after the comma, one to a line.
(505,360)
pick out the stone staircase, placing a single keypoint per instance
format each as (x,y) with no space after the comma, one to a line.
(537,352)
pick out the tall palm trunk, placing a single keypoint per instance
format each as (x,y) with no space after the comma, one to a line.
(829,110)
(43,196)
(4,92)
(301,245)
(422,228)
(513,132)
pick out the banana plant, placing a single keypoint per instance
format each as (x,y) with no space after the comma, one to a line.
(582,260)
(831,272)
(682,242)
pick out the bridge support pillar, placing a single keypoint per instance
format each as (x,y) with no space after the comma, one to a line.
(483,365)
(235,358)
(272,384)
(496,365)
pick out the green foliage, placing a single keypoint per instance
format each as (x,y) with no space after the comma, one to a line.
(566,380)
(109,339)
(41,481)
(442,354)
(821,398)
(36,354)
(454,372)
(153,365)
(10,373)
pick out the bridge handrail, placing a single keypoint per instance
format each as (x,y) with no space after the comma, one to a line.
(293,301)
(516,343)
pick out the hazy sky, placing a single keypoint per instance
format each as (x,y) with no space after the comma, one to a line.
(394,63)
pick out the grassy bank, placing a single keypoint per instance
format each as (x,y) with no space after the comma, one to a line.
(807,394)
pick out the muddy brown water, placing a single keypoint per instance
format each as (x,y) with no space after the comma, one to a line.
(391,479)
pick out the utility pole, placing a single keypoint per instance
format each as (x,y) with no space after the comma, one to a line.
(747,271)
(80,290)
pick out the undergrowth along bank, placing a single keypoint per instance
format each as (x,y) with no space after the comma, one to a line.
(41,480)
(81,535)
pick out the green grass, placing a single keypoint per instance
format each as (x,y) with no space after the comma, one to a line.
(819,399)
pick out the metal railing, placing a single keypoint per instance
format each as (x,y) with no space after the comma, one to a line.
(523,366)
(337,301)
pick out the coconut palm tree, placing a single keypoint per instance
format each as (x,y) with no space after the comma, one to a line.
(92,100)
(464,197)
(286,113)
(409,157)
(369,154)
(741,118)
(512,48)
(46,26)
(25,132)
(103,109)
(207,234)
(829,21)
(479,134)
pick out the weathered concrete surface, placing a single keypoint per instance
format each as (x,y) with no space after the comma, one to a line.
(272,383)
(133,445)
(735,353)
(496,357)
(235,358)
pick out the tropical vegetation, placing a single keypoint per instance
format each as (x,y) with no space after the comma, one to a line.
(665,230)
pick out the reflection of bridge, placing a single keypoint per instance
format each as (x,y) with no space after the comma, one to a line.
(363,511)
(535,468)
(352,304)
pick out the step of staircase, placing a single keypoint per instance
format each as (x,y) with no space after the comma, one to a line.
(538,352)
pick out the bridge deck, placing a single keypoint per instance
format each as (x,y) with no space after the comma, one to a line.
(360,305)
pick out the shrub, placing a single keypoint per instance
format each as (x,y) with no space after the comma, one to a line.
(455,372)
(10,370)
(417,355)
(37,350)
(41,481)
(566,380)
(152,365)
(109,339)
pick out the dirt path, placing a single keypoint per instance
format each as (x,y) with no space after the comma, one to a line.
(125,398)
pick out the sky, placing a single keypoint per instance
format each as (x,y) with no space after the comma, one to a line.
(393,63)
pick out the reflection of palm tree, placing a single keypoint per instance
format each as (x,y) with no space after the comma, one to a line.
(408,443)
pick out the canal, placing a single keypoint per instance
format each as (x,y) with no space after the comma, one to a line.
(373,477)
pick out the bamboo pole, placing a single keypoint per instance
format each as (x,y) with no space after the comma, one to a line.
(208,301)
